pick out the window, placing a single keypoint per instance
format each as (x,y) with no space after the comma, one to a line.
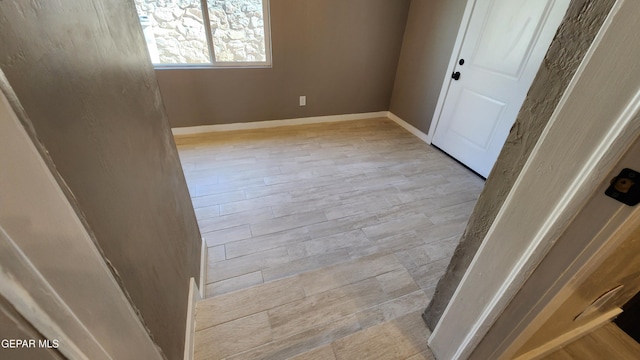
(226,33)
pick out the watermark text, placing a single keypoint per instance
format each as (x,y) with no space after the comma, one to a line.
(29,343)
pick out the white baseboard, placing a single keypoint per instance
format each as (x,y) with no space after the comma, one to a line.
(410,128)
(301,121)
(194,297)
(275,123)
(196,293)
(204,255)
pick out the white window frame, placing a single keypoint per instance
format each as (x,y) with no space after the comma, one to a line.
(213,64)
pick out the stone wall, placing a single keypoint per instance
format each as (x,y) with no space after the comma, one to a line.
(238,30)
(175,30)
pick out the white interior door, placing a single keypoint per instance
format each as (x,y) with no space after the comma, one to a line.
(504,44)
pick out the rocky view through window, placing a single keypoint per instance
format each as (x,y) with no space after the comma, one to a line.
(176,34)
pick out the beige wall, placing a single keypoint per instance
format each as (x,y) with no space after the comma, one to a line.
(81,71)
(341,54)
(432,28)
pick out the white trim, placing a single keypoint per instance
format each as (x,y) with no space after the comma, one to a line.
(266,18)
(410,128)
(275,123)
(160,67)
(204,256)
(196,293)
(43,309)
(567,164)
(457,47)
(190,331)
(571,336)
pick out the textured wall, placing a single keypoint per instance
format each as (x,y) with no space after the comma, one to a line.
(432,28)
(81,71)
(575,35)
(341,54)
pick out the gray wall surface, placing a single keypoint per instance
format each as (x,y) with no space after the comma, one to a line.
(432,28)
(341,54)
(81,71)
(573,38)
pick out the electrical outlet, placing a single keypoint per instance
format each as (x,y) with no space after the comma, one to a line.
(303,100)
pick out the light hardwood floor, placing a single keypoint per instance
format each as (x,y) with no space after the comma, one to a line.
(607,342)
(325,241)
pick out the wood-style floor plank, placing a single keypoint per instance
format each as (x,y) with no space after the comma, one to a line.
(401,338)
(221,309)
(320,309)
(233,337)
(325,241)
(606,342)
(321,353)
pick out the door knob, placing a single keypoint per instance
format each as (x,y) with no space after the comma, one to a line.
(456,75)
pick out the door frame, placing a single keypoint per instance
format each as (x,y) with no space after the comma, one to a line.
(567,164)
(455,53)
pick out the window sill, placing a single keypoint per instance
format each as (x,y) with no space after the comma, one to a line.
(207,66)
